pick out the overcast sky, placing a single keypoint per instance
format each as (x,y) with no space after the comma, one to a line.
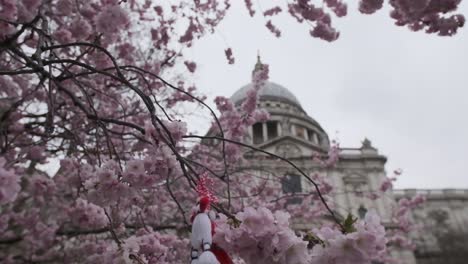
(407,92)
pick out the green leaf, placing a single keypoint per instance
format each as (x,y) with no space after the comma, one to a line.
(348,224)
(234,222)
(312,240)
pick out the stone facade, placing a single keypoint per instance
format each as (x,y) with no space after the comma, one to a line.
(443,237)
(292,133)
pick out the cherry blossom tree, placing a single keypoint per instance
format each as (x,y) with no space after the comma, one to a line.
(100,87)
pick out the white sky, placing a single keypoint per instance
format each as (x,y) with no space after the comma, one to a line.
(407,92)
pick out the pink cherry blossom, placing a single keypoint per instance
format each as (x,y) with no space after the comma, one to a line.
(111,20)
(262,237)
(80,29)
(98,165)
(370,6)
(88,215)
(191,66)
(9,184)
(272,11)
(273,29)
(249,6)
(325,32)
(229,56)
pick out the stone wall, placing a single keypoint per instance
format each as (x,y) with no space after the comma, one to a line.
(443,220)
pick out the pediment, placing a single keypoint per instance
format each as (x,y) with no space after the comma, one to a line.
(355,180)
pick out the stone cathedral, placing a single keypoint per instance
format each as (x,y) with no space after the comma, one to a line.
(292,133)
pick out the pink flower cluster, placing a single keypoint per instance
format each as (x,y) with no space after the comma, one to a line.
(428,15)
(191,66)
(87,215)
(124,177)
(112,19)
(370,6)
(366,244)
(9,183)
(8,12)
(173,131)
(402,220)
(41,187)
(135,174)
(323,30)
(104,186)
(332,156)
(27,9)
(388,181)
(146,246)
(262,237)
(402,215)
(260,75)
(234,121)
(36,153)
(156,248)
(177,129)
(272,11)
(273,29)
(229,56)
(338,7)
(249,6)
(323,182)
(189,35)
(304,10)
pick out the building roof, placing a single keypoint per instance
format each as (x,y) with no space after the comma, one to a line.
(269,90)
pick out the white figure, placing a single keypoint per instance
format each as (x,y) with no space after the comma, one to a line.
(203,249)
(201,232)
(201,238)
(207,257)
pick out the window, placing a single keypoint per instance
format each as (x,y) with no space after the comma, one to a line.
(313,137)
(362,211)
(272,129)
(301,132)
(291,183)
(311,133)
(257,133)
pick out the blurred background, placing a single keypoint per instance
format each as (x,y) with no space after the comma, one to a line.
(405,91)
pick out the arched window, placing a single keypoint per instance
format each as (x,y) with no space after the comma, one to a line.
(272,129)
(257,133)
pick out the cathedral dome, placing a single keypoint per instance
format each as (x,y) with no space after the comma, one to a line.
(269,91)
(289,128)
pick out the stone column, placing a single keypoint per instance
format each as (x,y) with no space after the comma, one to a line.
(315,136)
(279,130)
(265,132)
